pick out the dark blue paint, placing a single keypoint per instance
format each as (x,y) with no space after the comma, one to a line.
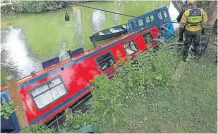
(50,62)
(195,12)
(133,24)
(13,117)
(135,21)
(76,52)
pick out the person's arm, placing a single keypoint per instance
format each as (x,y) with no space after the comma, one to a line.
(205,18)
(204,21)
(180,16)
(184,19)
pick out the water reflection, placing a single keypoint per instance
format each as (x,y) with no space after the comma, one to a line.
(115,18)
(15,56)
(98,20)
(173,14)
(78,24)
(63,52)
(78,27)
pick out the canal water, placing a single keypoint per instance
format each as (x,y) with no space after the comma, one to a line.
(28,39)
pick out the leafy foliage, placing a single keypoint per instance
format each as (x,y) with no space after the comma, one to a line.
(143,98)
(115,99)
(38,128)
(76,121)
(38,6)
(7,108)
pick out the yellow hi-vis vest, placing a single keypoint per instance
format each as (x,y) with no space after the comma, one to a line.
(192,19)
(195,17)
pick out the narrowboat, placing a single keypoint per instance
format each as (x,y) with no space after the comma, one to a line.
(63,83)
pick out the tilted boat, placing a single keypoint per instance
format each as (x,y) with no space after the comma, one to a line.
(60,84)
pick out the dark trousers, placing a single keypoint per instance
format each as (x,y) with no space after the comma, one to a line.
(189,37)
(181,31)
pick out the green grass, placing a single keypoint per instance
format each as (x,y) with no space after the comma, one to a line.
(197,90)
(136,101)
(190,106)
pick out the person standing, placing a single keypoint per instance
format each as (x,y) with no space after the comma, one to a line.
(193,20)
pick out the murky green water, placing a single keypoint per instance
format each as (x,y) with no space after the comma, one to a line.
(47,35)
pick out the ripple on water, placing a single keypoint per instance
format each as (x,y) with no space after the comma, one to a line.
(115,18)
(98,20)
(16,55)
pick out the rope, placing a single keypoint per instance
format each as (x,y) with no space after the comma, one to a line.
(103,10)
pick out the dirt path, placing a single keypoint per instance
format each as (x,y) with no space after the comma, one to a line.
(212,47)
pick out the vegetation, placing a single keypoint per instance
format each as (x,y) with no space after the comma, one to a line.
(39,128)
(37,6)
(7,108)
(143,97)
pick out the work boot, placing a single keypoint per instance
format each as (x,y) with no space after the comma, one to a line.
(180,40)
(180,35)
(184,58)
(185,55)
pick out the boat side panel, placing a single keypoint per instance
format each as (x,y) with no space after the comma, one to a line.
(75,78)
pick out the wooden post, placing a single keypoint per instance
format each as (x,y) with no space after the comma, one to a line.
(14,92)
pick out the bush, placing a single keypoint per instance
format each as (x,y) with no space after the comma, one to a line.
(123,101)
(38,6)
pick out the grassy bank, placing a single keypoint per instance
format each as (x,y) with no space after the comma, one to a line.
(144,98)
(189,107)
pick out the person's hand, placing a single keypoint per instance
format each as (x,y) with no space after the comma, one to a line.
(202,31)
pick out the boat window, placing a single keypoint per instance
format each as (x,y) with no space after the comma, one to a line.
(105,61)
(130,47)
(134,24)
(160,15)
(147,38)
(140,22)
(165,14)
(149,19)
(48,92)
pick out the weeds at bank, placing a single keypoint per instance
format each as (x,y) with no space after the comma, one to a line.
(128,100)
(142,97)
